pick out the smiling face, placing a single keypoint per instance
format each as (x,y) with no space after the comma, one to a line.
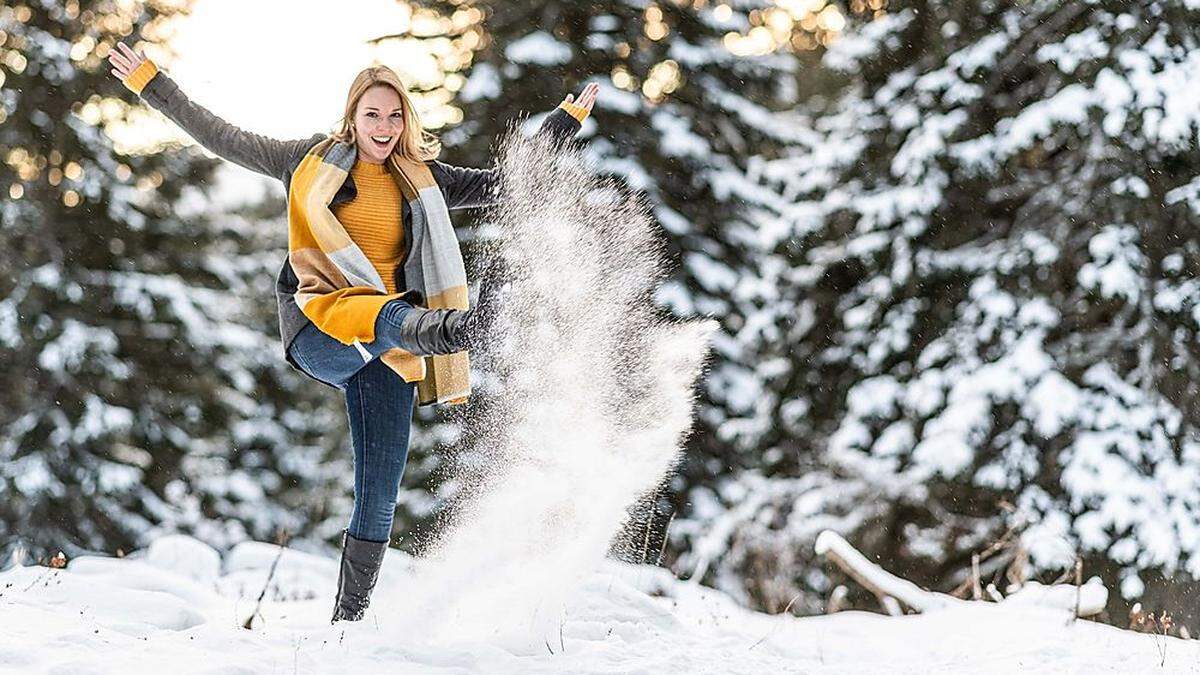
(378,123)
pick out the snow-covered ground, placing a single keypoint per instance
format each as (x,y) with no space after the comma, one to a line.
(179,606)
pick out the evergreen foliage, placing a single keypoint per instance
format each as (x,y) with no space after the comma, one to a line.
(145,392)
(988,313)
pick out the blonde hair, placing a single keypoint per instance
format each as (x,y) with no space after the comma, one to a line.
(415,143)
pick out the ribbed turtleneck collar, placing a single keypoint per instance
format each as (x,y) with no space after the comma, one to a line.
(362,168)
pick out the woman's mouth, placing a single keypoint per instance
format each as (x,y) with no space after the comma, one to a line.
(381,142)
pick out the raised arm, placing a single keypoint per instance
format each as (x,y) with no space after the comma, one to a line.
(254,151)
(466,188)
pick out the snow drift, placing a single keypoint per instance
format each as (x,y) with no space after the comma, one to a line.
(179,606)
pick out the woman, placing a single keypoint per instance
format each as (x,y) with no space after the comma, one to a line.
(373,293)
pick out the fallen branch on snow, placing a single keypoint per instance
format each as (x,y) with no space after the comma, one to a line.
(1083,600)
(877,580)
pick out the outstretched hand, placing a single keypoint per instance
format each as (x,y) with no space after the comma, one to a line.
(587,98)
(124,60)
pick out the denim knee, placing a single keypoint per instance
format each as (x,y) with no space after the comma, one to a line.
(391,314)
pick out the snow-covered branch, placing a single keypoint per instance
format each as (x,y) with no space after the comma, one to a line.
(1086,599)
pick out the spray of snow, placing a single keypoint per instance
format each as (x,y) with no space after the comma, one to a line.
(587,397)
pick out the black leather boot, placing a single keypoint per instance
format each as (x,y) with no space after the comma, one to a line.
(466,329)
(438,331)
(359,570)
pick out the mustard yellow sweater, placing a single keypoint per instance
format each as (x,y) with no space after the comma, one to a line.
(373,221)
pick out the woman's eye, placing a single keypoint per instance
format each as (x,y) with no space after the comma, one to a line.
(371,114)
(397,115)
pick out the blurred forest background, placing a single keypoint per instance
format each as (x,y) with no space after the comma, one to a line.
(952,245)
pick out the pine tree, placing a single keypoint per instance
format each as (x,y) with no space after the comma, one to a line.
(988,310)
(145,392)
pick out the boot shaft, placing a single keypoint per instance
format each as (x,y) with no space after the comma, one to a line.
(357,574)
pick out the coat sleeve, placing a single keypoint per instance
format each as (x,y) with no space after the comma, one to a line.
(259,153)
(465,188)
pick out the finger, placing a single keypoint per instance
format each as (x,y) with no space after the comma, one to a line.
(117,74)
(135,59)
(117,59)
(133,56)
(570,98)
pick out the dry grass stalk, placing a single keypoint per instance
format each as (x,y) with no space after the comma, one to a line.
(649,521)
(1158,627)
(786,610)
(281,540)
(976,586)
(666,538)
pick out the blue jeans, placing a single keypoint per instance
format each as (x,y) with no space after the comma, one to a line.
(380,406)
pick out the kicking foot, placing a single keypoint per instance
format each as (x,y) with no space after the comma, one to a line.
(427,332)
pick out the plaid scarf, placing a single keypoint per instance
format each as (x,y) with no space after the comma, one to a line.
(339,289)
